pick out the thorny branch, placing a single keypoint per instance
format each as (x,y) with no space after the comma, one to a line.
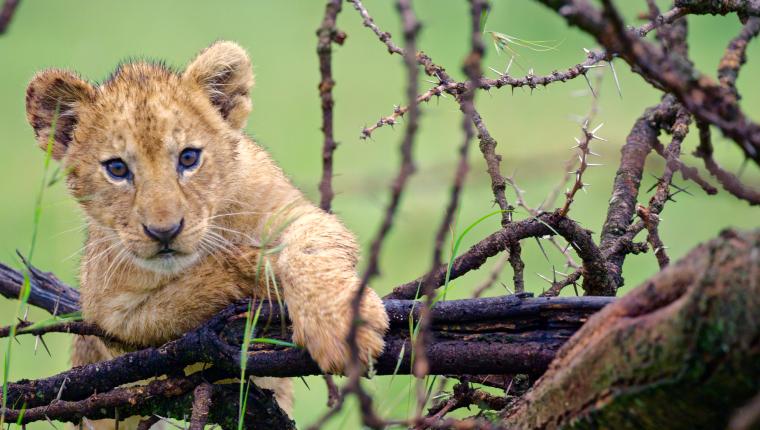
(474,340)
(466,337)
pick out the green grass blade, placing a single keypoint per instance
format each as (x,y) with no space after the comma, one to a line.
(271,341)
(50,322)
(455,252)
(26,287)
(250,326)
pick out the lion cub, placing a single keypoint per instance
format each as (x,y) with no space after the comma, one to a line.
(180,204)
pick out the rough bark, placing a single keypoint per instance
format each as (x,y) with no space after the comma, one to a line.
(680,351)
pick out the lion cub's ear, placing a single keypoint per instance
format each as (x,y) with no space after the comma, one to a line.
(53,99)
(224,72)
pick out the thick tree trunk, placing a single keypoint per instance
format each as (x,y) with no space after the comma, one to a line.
(680,351)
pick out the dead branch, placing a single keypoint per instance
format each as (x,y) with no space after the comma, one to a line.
(595,270)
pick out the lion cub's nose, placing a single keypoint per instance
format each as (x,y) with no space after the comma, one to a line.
(164,235)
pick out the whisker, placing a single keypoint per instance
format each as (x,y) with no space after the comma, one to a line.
(253,240)
(70,230)
(117,259)
(234,214)
(100,255)
(208,248)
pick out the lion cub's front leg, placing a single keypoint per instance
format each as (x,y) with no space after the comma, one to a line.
(316,267)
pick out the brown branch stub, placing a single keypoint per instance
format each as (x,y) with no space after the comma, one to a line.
(47,291)
(147,423)
(201,406)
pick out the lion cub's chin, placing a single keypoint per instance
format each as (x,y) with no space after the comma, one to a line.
(167,264)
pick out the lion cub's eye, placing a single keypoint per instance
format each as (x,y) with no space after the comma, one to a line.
(117,168)
(188,159)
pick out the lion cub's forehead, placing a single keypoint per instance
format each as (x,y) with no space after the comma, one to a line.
(143,110)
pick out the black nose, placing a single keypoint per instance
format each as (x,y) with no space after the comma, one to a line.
(164,235)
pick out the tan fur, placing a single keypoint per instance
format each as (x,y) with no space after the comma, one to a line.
(237,207)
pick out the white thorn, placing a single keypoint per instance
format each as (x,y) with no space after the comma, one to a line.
(617,82)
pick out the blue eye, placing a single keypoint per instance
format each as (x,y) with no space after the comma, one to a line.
(188,159)
(117,168)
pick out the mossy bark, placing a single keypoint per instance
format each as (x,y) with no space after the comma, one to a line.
(680,351)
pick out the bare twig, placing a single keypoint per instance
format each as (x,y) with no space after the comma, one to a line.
(661,20)
(327,34)
(584,151)
(728,180)
(736,55)
(6,14)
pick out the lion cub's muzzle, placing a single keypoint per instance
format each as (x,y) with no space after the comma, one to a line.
(164,235)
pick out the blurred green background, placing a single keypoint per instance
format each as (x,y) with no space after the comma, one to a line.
(535,131)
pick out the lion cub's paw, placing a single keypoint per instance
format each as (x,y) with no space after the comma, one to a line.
(330,347)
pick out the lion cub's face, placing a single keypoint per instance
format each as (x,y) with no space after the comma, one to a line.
(150,153)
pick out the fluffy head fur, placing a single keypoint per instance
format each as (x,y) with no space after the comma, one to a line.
(146,115)
(233,203)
